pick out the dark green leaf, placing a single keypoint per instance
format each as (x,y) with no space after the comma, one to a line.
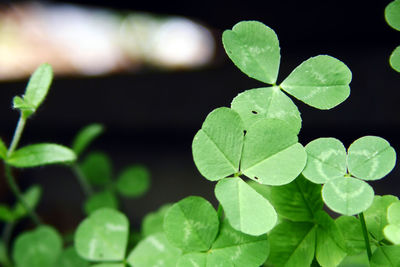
(97,168)
(31,197)
(387,256)
(69,258)
(105,199)
(350,228)
(154,222)
(133,181)
(86,136)
(3,150)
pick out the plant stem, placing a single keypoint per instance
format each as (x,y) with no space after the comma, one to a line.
(17,135)
(365,233)
(86,187)
(220,213)
(6,237)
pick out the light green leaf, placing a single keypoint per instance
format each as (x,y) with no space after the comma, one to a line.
(154,251)
(109,265)
(370,158)
(394,59)
(26,108)
(41,154)
(375,216)
(271,153)
(267,103)
(38,85)
(254,49)
(86,136)
(218,144)
(153,222)
(387,256)
(392,14)
(297,201)
(292,244)
(133,181)
(350,228)
(326,160)
(347,196)
(105,199)
(97,168)
(3,150)
(330,249)
(203,260)
(246,210)
(392,231)
(103,236)
(321,82)
(359,260)
(191,224)
(31,197)
(69,258)
(38,248)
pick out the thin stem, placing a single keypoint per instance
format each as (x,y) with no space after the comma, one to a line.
(17,192)
(365,233)
(17,135)
(220,213)
(6,236)
(86,187)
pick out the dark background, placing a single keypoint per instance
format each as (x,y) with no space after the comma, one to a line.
(152,115)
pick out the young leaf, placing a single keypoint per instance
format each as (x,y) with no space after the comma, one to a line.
(394,59)
(271,153)
(3,150)
(31,197)
(350,228)
(266,103)
(254,49)
(191,224)
(105,199)
(297,201)
(217,146)
(392,14)
(392,231)
(41,154)
(97,168)
(370,158)
(86,136)
(326,160)
(153,251)
(375,216)
(292,244)
(246,210)
(6,214)
(38,248)
(103,236)
(26,108)
(133,181)
(154,222)
(387,256)
(330,249)
(347,195)
(69,258)
(321,82)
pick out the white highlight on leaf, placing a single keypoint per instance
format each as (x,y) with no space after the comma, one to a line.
(115,227)
(322,158)
(92,248)
(157,244)
(348,195)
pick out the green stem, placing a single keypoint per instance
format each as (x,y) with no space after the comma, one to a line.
(220,213)
(17,135)
(17,192)
(6,236)
(86,187)
(365,233)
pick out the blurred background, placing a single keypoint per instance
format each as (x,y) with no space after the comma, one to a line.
(151,72)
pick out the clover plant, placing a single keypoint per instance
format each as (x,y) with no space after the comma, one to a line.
(392,16)
(272,190)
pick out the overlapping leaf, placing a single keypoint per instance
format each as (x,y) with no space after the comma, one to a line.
(350,228)
(387,256)
(153,222)
(392,230)
(69,258)
(105,199)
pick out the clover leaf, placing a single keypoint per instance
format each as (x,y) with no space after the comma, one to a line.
(392,230)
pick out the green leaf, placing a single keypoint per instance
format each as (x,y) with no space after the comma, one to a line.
(31,197)
(347,196)
(41,154)
(26,108)
(246,210)
(292,244)
(266,103)
(326,160)
(109,265)
(153,222)
(133,181)
(69,258)
(272,154)
(350,228)
(375,216)
(154,251)
(321,82)
(6,213)
(392,231)
(105,199)
(330,249)
(359,260)
(86,136)
(254,49)
(4,260)
(38,248)
(191,224)
(387,256)
(394,59)
(3,150)
(97,168)
(370,158)
(392,14)
(218,144)
(103,236)
(297,201)
(203,260)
